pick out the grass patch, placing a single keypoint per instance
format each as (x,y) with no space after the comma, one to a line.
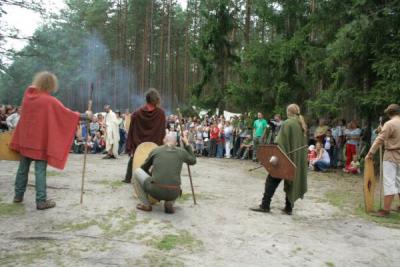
(50,173)
(108,183)
(155,259)
(329,264)
(182,240)
(392,221)
(346,193)
(11,209)
(24,257)
(185,197)
(115,223)
(188,196)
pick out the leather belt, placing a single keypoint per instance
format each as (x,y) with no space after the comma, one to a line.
(392,149)
(168,187)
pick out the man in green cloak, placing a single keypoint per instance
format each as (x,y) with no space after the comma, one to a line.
(291,137)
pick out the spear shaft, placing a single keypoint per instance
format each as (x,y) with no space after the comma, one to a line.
(90,103)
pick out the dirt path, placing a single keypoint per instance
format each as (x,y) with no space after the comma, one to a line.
(220,231)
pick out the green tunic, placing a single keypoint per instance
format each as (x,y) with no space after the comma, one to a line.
(167,164)
(291,137)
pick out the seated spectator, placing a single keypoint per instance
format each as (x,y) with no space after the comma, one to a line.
(79,145)
(94,126)
(89,144)
(3,119)
(354,166)
(245,148)
(99,143)
(322,162)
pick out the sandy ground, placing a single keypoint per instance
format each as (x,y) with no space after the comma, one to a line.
(220,231)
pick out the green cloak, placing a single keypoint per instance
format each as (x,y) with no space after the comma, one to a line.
(291,137)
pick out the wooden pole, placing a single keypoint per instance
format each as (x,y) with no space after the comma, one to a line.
(188,167)
(90,103)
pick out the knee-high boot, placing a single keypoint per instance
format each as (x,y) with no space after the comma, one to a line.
(270,187)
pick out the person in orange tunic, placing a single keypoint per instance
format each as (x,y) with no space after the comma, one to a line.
(44,135)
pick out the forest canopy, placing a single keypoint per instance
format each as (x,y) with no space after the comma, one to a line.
(334,58)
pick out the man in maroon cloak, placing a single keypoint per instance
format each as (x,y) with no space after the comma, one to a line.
(147,125)
(44,134)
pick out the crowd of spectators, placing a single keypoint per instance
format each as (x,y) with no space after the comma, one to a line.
(9,117)
(337,144)
(332,143)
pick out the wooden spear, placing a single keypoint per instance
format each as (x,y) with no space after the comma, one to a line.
(188,167)
(90,103)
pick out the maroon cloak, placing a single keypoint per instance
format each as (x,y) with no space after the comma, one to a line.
(45,130)
(147,125)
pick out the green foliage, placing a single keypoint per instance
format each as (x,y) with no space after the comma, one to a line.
(331,57)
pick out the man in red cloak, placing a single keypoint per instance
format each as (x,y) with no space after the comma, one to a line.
(44,134)
(147,125)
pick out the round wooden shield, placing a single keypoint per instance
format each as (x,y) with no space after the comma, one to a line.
(5,152)
(140,156)
(369,185)
(283,167)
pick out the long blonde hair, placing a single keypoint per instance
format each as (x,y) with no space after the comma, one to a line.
(293,111)
(45,81)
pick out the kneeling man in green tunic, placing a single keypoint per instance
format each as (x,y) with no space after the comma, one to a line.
(160,175)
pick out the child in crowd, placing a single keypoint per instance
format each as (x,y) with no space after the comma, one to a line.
(354,166)
(312,156)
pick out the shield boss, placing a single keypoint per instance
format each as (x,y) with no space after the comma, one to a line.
(276,162)
(5,152)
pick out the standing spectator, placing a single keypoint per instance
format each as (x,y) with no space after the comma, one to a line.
(13,119)
(127,120)
(122,133)
(199,141)
(214,136)
(353,139)
(275,127)
(320,131)
(259,131)
(112,133)
(338,135)
(228,137)
(329,145)
(242,133)
(192,136)
(220,141)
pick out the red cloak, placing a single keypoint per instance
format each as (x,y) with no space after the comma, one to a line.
(45,130)
(147,125)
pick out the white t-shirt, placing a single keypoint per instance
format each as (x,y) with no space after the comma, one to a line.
(325,157)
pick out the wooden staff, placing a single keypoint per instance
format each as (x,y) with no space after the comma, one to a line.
(90,103)
(380,169)
(188,167)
